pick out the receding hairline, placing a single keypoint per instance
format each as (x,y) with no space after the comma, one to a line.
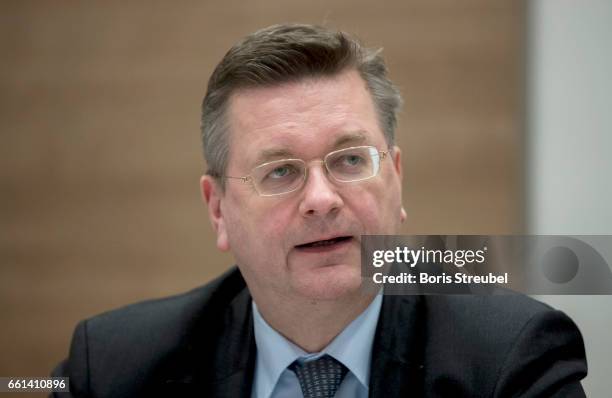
(348,70)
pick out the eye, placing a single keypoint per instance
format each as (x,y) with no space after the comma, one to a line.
(350,164)
(282,171)
(349,161)
(352,160)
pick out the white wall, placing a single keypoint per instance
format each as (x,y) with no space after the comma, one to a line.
(569,149)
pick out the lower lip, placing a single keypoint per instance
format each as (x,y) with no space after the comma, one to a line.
(325,248)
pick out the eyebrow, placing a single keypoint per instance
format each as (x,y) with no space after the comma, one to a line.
(351,138)
(268,155)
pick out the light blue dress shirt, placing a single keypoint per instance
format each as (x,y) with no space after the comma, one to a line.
(352,347)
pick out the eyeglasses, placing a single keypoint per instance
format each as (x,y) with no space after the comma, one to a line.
(287,175)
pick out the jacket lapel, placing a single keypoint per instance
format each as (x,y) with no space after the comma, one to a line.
(220,359)
(235,352)
(397,354)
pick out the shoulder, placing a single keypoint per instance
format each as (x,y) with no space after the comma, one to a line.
(168,313)
(484,328)
(493,315)
(126,350)
(505,344)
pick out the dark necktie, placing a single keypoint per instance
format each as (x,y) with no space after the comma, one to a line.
(319,378)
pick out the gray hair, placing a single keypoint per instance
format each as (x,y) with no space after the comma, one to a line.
(286,53)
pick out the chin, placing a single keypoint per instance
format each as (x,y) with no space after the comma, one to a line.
(329,283)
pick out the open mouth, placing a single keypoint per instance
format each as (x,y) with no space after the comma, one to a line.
(323,244)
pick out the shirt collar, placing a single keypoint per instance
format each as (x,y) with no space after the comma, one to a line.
(352,347)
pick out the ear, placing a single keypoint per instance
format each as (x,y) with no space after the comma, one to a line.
(212,196)
(396,153)
(397,164)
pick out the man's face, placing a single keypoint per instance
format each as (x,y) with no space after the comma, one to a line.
(271,236)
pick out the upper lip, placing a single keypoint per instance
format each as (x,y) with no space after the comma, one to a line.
(329,237)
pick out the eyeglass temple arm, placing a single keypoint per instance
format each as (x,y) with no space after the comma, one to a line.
(244,179)
(217,175)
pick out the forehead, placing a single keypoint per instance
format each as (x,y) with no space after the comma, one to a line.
(301,119)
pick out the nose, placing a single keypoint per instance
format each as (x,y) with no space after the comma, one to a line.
(319,196)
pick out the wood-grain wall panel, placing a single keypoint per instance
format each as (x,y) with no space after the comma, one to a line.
(100,156)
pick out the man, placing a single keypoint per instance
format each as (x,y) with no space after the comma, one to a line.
(298,128)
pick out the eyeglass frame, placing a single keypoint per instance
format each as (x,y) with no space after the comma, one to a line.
(249,178)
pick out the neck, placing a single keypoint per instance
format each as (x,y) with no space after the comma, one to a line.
(312,324)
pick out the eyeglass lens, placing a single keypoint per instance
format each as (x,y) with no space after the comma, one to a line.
(346,165)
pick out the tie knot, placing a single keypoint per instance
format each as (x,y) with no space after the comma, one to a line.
(319,378)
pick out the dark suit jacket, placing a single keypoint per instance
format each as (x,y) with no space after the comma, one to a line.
(201,344)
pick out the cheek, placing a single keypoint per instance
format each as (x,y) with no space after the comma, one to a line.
(363,208)
(257,228)
(378,208)
(270,224)
(369,213)
(238,224)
